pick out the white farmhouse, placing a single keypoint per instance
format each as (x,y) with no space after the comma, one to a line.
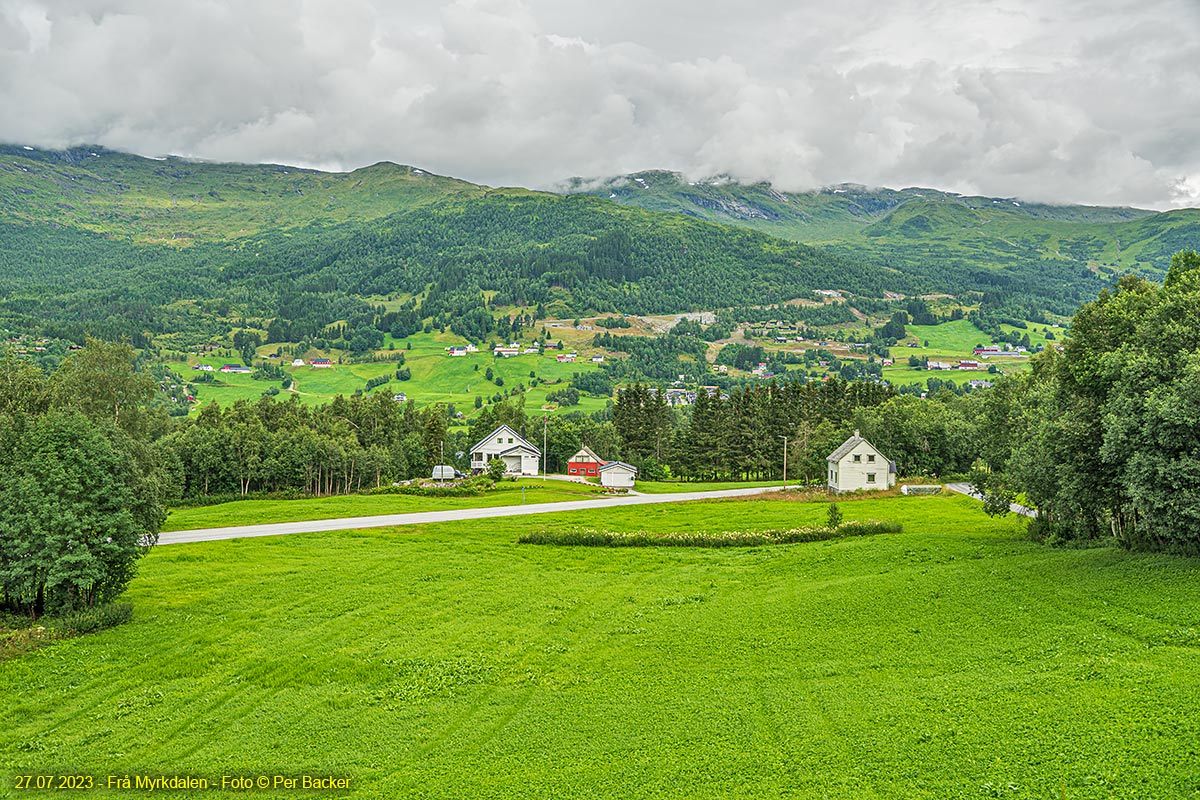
(858,465)
(618,474)
(521,457)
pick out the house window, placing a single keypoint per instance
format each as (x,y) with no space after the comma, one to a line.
(857,458)
(870,477)
(870,459)
(510,440)
(573,470)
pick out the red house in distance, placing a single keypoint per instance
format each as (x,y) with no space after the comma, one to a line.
(585,464)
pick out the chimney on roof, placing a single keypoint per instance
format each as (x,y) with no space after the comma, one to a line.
(856,436)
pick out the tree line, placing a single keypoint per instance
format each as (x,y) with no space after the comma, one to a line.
(1103,436)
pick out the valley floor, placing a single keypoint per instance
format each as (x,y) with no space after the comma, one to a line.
(955,659)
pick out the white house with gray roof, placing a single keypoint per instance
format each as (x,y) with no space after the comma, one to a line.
(858,465)
(518,455)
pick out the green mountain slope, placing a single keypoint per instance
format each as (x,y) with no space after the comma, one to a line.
(132,246)
(93,240)
(951,239)
(178,201)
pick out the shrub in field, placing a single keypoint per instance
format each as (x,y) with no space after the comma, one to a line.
(465,489)
(496,469)
(19,634)
(96,619)
(834,516)
(587,537)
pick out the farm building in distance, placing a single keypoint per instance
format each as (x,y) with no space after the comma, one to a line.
(519,456)
(585,463)
(858,465)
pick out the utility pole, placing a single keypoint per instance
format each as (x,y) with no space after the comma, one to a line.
(545,455)
(785,440)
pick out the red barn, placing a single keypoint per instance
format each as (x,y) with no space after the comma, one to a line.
(585,464)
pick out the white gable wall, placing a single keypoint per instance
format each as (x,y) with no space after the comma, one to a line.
(849,475)
(500,441)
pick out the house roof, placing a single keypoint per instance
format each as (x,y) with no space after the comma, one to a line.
(850,444)
(587,451)
(520,448)
(620,465)
(506,431)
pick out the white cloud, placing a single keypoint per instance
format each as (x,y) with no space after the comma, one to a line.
(1059,100)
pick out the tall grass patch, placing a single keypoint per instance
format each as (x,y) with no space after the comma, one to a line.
(588,537)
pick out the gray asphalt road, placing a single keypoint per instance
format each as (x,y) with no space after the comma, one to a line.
(424,517)
(965,488)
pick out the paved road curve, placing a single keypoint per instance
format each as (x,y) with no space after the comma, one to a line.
(965,488)
(424,517)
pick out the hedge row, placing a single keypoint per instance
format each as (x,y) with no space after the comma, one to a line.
(587,537)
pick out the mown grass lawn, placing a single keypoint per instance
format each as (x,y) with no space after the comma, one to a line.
(955,659)
(672,487)
(259,512)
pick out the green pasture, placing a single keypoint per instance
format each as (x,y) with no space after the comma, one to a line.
(436,377)
(954,660)
(951,341)
(674,487)
(344,379)
(901,375)
(260,512)
(955,339)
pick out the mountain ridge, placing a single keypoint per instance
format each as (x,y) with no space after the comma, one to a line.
(255,235)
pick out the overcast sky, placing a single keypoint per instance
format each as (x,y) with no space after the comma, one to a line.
(1094,101)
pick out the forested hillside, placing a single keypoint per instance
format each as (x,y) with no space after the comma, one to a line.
(117,245)
(1054,257)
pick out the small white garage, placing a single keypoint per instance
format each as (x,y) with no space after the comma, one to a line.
(618,475)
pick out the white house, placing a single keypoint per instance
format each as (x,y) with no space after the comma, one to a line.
(521,457)
(618,474)
(858,465)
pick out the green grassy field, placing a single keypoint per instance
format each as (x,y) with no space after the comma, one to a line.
(259,512)
(952,342)
(900,376)
(957,338)
(956,659)
(436,377)
(671,487)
